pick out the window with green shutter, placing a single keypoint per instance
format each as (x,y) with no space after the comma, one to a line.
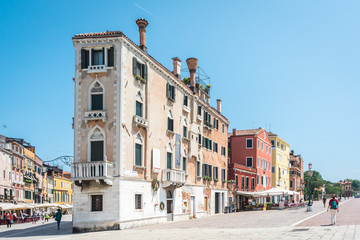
(170,124)
(184,164)
(96,102)
(139,111)
(169,156)
(110,56)
(139,70)
(242,182)
(97,150)
(138,154)
(198,168)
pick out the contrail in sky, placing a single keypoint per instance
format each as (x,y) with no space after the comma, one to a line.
(144,9)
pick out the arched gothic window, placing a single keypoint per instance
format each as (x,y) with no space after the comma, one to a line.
(97,97)
(97,144)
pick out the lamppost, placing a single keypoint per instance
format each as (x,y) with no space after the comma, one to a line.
(309,208)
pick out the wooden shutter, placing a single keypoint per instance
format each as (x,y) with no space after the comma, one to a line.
(144,71)
(83,55)
(103,56)
(210,172)
(134,66)
(97,150)
(203,169)
(110,57)
(173,89)
(167,90)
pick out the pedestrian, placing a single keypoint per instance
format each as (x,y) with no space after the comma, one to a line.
(34,216)
(47,217)
(8,217)
(334,208)
(42,216)
(58,216)
(324,201)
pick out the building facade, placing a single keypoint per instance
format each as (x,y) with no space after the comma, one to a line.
(63,192)
(29,175)
(6,188)
(39,184)
(280,162)
(346,188)
(296,177)
(148,148)
(250,162)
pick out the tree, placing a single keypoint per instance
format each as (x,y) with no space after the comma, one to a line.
(316,182)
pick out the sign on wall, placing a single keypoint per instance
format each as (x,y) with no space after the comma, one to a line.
(177,150)
(156,159)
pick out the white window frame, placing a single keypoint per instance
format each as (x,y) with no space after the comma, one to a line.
(139,140)
(185,124)
(252,143)
(92,85)
(96,134)
(139,98)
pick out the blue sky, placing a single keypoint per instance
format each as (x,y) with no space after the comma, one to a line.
(291,65)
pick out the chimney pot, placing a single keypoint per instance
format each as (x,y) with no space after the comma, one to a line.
(192,65)
(218,101)
(142,23)
(177,67)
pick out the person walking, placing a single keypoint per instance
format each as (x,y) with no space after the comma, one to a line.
(58,216)
(334,208)
(8,218)
(47,217)
(324,201)
(34,216)
(42,216)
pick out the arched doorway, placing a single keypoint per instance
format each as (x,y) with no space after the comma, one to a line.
(169,205)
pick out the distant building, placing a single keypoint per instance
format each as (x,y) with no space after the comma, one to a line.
(250,163)
(296,178)
(6,189)
(39,184)
(346,188)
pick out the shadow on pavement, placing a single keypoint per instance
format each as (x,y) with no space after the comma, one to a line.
(39,230)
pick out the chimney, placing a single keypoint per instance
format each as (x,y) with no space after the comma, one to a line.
(177,65)
(234,132)
(192,65)
(142,23)
(218,101)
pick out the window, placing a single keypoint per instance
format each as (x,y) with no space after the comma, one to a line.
(186,100)
(96,203)
(138,201)
(223,128)
(258,144)
(252,183)
(216,176)
(258,162)
(257,179)
(236,181)
(4,174)
(273,169)
(266,148)
(138,157)
(99,56)
(199,139)
(272,143)
(199,110)
(97,150)
(198,169)
(216,124)
(185,129)
(207,119)
(207,170)
(55,183)
(215,147)
(223,151)
(97,93)
(249,161)
(242,183)
(184,164)
(277,144)
(170,122)
(62,184)
(223,175)
(262,146)
(249,143)
(291,184)
(139,70)
(170,92)
(262,180)
(169,157)
(247,183)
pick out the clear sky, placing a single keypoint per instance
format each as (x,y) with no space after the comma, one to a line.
(288,66)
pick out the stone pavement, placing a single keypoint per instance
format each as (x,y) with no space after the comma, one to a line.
(272,224)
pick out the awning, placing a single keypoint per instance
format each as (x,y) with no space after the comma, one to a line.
(245,193)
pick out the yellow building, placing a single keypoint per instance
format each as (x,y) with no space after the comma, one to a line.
(63,192)
(29,175)
(280,162)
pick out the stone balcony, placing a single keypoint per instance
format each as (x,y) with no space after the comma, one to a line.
(99,170)
(140,121)
(95,115)
(173,178)
(96,69)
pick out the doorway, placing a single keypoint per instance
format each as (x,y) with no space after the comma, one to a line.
(169,205)
(192,206)
(217,203)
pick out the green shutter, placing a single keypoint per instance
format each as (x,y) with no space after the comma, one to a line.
(168,160)
(210,168)
(173,88)
(134,66)
(144,71)
(83,58)
(111,57)
(138,153)
(167,90)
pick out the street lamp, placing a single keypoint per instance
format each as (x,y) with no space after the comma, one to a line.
(309,208)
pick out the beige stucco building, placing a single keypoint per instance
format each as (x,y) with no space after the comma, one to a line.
(147,147)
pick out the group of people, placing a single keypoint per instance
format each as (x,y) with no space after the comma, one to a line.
(44,216)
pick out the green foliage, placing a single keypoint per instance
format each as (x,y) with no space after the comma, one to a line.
(316,182)
(332,189)
(186,81)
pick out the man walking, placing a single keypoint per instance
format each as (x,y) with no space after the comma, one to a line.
(58,216)
(324,201)
(334,208)
(8,218)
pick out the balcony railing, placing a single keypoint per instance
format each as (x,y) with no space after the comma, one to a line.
(173,177)
(97,68)
(91,170)
(95,115)
(140,121)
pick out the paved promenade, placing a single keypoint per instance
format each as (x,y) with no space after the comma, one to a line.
(274,224)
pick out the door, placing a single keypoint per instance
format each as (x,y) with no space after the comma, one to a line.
(217,202)
(192,205)
(169,205)
(222,202)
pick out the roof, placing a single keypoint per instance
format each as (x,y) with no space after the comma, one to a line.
(121,34)
(247,132)
(272,134)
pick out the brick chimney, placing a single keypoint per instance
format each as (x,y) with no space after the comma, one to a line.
(218,101)
(142,23)
(234,132)
(177,65)
(192,65)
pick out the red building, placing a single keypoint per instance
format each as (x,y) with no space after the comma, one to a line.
(249,163)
